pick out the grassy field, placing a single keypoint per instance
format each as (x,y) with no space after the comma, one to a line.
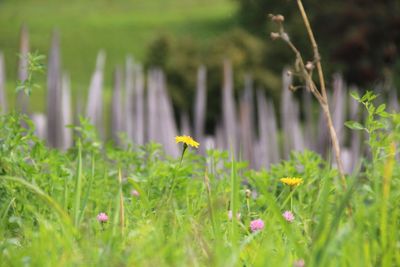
(100,205)
(119,27)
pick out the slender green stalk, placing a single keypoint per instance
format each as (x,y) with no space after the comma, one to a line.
(209,202)
(78,186)
(66,194)
(88,190)
(387,177)
(4,212)
(121,203)
(234,203)
(183,153)
(40,193)
(116,218)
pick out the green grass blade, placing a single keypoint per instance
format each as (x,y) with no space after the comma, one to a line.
(78,186)
(41,194)
(88,190)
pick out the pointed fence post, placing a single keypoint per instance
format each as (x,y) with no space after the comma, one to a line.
(3,101)
(272,134)
(22,99)
(290,118)
(152,107)
(394,105)
(94,109)
(117,107)
(139,106)
(129,99)
(310,130)
(54,95)
(40,122)
(167,128)
(268,131)
(263,117)
(339,106)
(323,133)
(219,137)
(185,124)
(66,108)
(200,104)
(229,110)
(247,136)
(355,136)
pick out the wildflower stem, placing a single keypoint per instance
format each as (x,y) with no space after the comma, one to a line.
(291,199)
(183,153)
(121,203)
(234,203)
(78,186)
(209,202)
(321,95)
(387,177)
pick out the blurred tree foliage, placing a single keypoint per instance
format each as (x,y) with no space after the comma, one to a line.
(181,58)
(361,38)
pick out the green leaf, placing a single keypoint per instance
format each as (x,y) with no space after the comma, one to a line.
(381,108)
(354,125)
(354,95)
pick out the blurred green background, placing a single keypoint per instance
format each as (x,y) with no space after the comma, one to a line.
(119,27)
(359,38)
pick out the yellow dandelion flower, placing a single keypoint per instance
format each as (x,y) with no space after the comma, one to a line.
(186,140)
(291,181)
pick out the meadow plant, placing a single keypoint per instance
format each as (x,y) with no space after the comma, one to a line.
(47,220)
(305,72)
(256,225)
(102,217)
(288,216)
(135,193)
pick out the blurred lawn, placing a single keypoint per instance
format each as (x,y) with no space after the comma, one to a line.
(120,27)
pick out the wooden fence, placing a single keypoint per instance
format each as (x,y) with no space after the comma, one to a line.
(142,108)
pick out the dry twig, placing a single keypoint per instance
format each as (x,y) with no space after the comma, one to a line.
(305,71)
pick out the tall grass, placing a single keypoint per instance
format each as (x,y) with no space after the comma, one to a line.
(46,220)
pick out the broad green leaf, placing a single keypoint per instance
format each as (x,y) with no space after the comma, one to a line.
(354,95)
(354,125)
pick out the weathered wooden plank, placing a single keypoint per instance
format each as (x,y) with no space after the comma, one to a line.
(323,134)
(3,100)
(355,137)
(94,108)
(152,107)
(269,150)
(219,137)
(263,157)
(167,127)
(272,134)
(229,109)
(139,105)
(394,105)
(208,144)
(293,136)
(40,122)
(310,131)
(54,95)
(200,104)
(185,124)
(129,99)
(22,98)
(339,105)
(117,107)
(246,129)
(66,107)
